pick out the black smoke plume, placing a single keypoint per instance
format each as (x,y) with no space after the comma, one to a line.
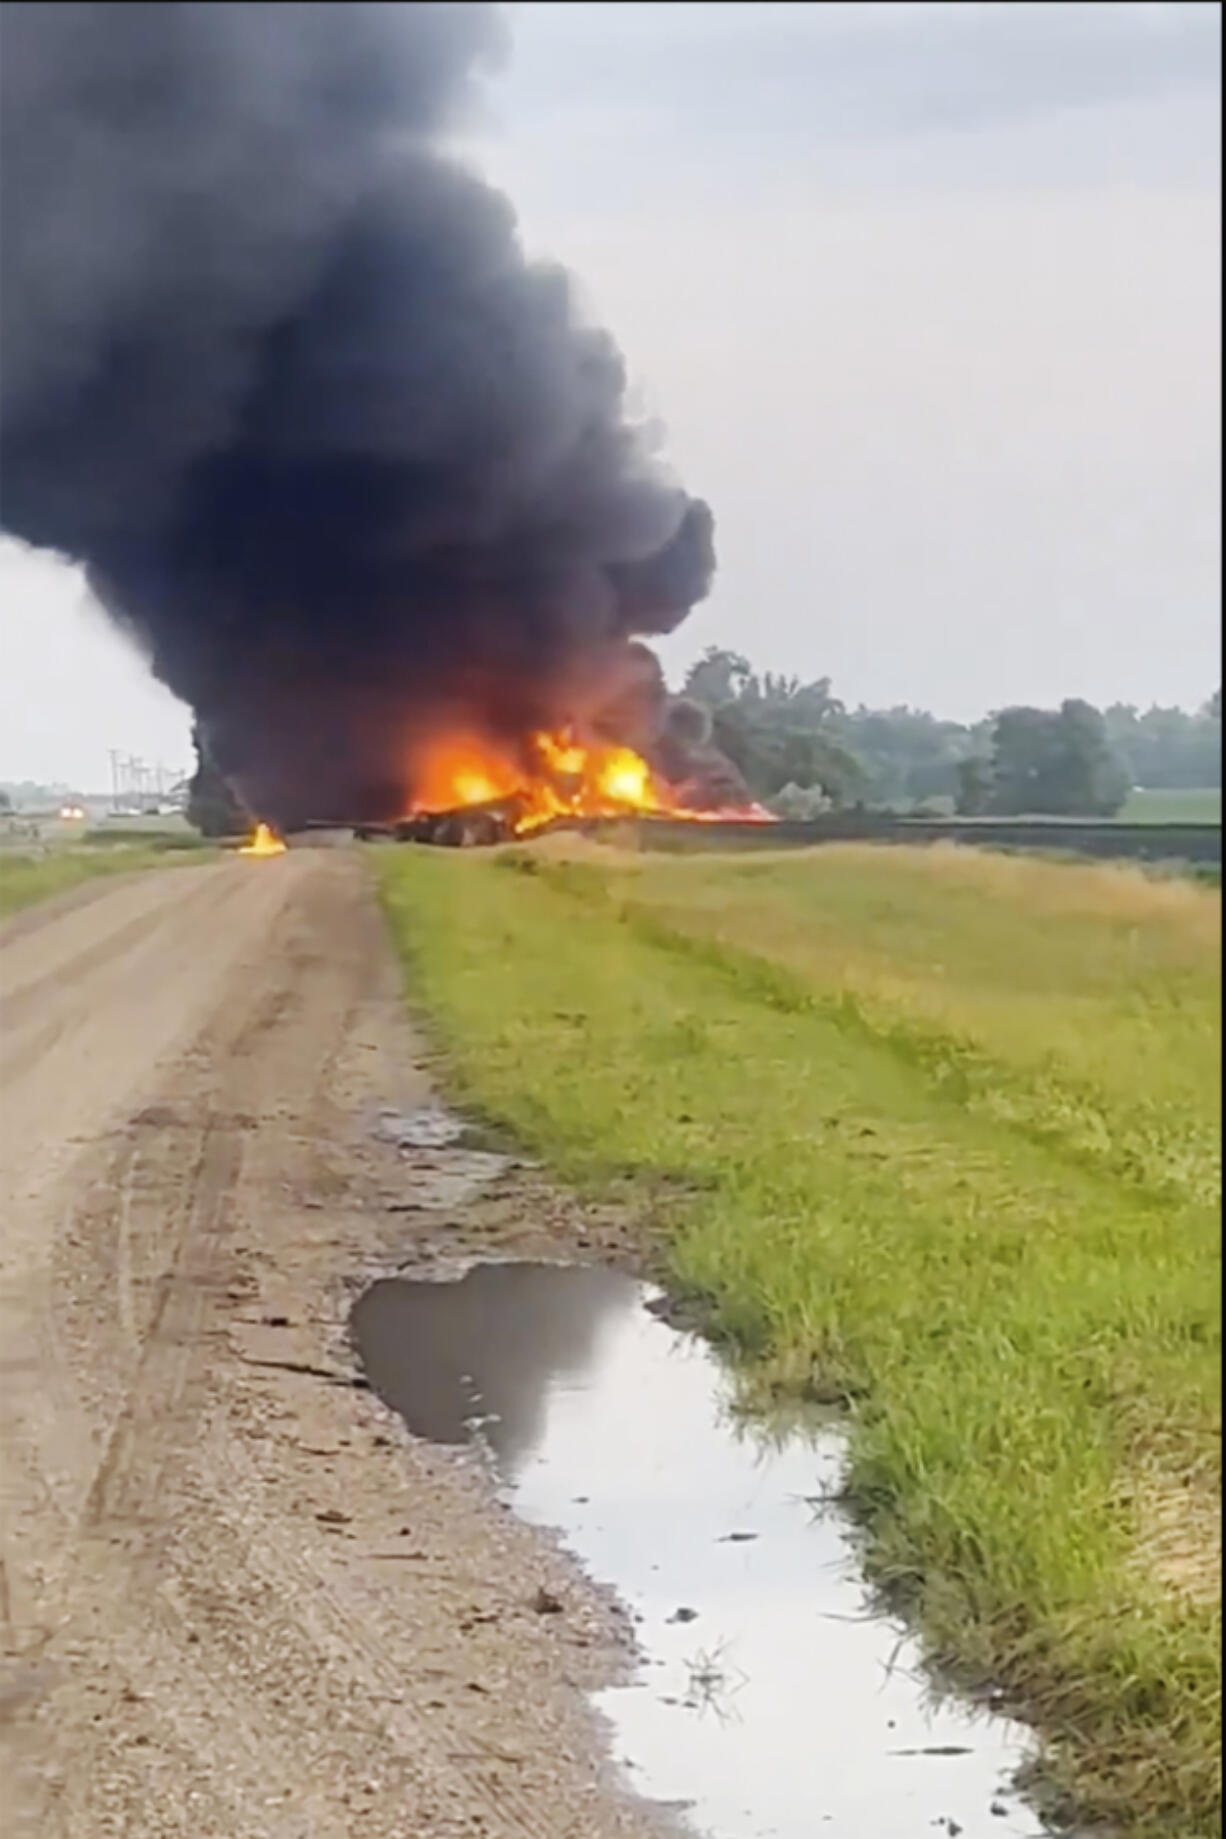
(275,368)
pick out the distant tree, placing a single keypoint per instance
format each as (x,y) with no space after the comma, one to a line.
(1056,763)
(778,731)
(906,754)
(772,754)
(1021,760)
(973,787)
(1168,749)
(1087,775)
(212,807)
(719,677)
(6,803)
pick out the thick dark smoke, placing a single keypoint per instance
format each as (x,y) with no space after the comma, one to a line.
(274,367)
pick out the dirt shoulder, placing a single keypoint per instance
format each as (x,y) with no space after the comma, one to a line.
(236,1599)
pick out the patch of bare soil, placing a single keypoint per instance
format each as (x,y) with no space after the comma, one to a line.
(1180,1542)
(237,1601)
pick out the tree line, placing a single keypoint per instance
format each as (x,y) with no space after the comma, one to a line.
(803,749)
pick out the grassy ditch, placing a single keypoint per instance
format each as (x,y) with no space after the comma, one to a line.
(27,878)
(934,1132)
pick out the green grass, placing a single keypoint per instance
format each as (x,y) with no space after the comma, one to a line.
(25,879)
(933,1132)
(1197,805)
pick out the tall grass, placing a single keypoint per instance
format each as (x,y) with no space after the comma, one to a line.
(933,1133)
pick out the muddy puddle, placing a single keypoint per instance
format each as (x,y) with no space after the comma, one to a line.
(770,1703)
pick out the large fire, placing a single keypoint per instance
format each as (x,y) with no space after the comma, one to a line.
(262,842)
(556,776)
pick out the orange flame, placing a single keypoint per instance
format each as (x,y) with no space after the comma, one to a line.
(262,842)
(558,776)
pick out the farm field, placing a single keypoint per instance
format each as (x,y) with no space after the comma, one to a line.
(933,1134)
(1197,805)
(1190,805)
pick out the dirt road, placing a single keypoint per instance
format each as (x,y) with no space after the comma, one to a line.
(236,1599)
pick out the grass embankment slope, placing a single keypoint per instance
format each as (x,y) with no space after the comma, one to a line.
(935,1131)
(26,878)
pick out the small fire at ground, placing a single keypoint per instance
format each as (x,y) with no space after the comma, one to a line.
(552,776)
(262,842)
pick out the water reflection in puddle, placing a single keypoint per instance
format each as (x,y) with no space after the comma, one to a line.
(770,1701)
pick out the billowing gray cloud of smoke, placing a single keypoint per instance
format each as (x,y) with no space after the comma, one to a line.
(274,367)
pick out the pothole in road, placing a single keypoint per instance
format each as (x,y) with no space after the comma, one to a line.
(772,1700)
(425,1127)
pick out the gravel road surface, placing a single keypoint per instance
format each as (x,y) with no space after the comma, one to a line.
(236,1600)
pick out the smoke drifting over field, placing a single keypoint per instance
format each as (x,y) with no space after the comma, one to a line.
(345,464)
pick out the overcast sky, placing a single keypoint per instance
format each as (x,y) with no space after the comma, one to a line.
(928,297)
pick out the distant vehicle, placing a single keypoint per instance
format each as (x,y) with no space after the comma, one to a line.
(72,814)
